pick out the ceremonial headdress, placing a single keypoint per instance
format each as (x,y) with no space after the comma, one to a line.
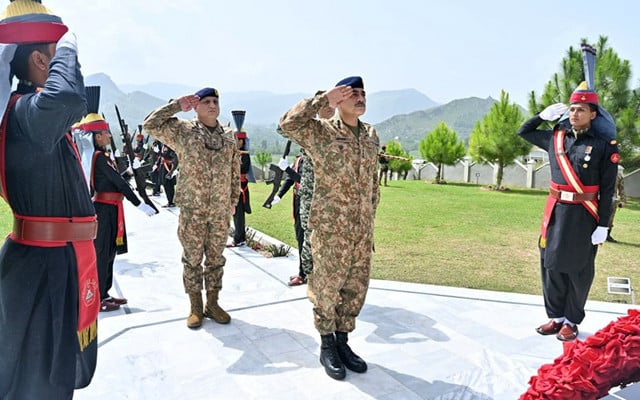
(354,81)
(28,21)
(24,22)
(93,121)
(238,119)
(204,92)
(603,125)
(583,94)
(241,133)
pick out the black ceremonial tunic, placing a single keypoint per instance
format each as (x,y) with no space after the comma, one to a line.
(40,353)
(107,179)
(567,261)
(569,245)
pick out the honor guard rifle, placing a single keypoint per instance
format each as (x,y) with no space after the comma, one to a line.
(120,161)
(141,182)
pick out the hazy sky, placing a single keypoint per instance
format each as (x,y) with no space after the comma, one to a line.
(445,49)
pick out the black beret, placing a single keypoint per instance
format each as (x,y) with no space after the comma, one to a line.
(354,81)
(204,92)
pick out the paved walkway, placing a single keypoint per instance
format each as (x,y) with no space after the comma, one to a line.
(420,341)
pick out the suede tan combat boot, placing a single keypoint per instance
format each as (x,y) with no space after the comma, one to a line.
(194,321)
(213,310)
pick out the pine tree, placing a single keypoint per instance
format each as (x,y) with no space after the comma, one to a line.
(494,139)
(441,146)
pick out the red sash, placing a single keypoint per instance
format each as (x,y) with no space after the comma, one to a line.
(110,198)
(243,190)
(574,185)
(88,292)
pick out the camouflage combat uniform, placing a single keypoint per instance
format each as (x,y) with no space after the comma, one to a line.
(345,197)
(209,185)
(306,195)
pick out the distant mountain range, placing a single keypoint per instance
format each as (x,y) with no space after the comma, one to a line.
(459,115)
(404,114)
(265,108)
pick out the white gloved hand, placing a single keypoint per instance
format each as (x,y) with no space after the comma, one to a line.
(145,146)
(276,200)
(136,163)
(147,209)
(174,173)
(68,40)
(154,168)
(129,171)
(599,235)
(156,149)
(553,112)
(117,153)
(283,164)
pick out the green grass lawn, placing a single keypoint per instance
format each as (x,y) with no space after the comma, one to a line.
(461,235)
(458,235)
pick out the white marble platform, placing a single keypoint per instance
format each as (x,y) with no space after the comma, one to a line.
(420,341)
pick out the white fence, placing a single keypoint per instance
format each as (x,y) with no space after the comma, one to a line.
(516,174)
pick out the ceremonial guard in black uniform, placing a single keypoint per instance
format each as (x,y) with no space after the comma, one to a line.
(109,189)
(49,298)
(168,171)
(584,162)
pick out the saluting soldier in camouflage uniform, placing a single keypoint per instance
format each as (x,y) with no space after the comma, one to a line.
(306,195)
(345,197)
(207,193)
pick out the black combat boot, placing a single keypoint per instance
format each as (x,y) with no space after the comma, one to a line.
(329,357)
(348,357)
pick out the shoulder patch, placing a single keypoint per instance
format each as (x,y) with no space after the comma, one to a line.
(615,157)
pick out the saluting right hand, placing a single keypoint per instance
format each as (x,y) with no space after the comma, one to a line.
(338,94)
(188,102)
(553,112)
